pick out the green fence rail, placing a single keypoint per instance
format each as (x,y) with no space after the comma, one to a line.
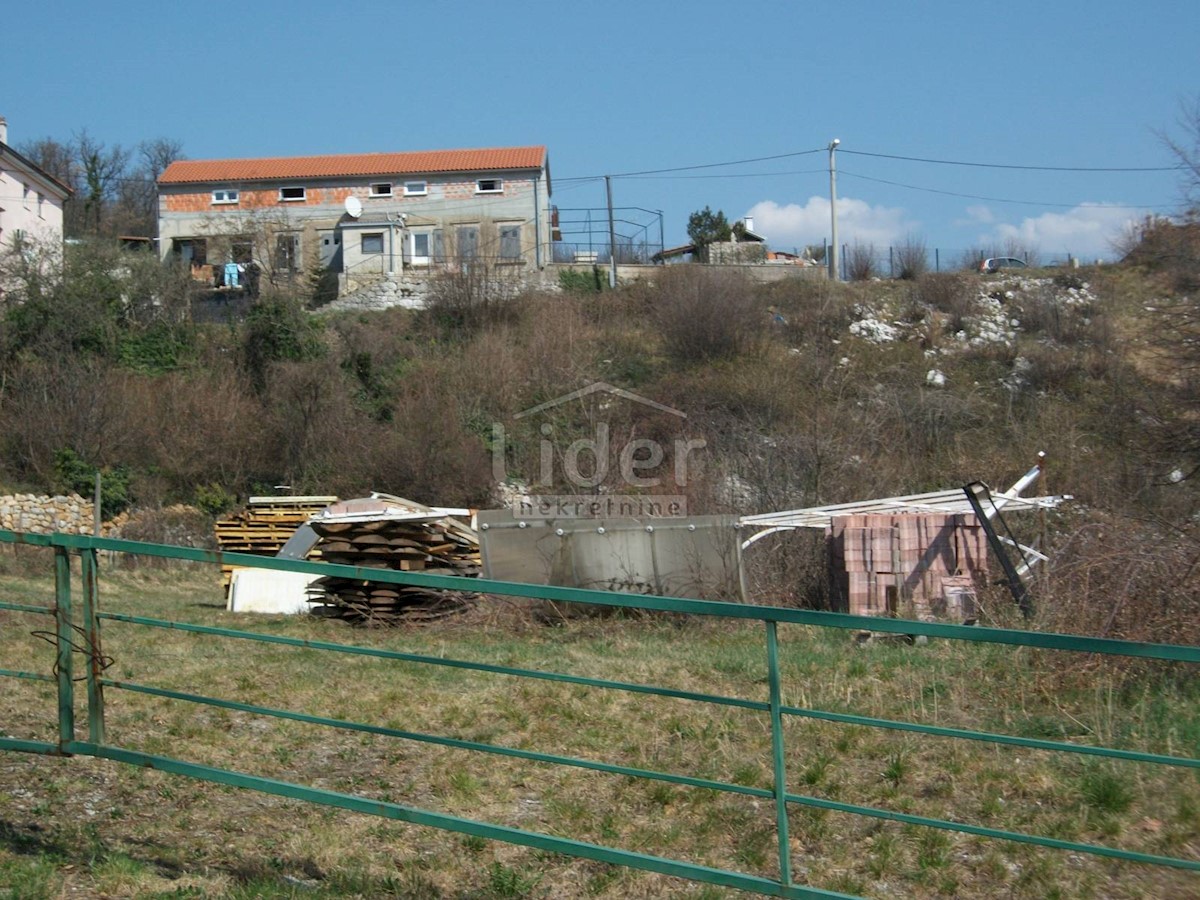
(80,633)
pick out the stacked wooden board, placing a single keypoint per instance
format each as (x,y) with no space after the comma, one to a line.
(429,544)
(264,526)
(907,565)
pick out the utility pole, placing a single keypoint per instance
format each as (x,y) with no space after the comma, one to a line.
(834,271)
(612,237)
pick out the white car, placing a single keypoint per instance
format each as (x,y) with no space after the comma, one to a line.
(996,263)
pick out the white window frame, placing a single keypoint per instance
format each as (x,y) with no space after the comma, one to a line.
(303,194)
(411,188)
(388,192)
(225,196)
(498,189)
(412,248)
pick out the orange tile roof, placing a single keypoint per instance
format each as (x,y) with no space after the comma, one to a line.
(193,171)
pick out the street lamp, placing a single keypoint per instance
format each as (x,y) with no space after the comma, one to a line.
(834,271)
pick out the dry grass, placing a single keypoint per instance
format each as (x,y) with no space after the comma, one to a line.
(83,827)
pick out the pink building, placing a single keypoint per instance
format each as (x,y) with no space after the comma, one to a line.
(31,201)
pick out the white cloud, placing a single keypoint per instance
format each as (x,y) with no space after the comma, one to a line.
(977,215)
(1087,231)
(797,226)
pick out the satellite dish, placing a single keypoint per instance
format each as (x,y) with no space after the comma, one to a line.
(353,207)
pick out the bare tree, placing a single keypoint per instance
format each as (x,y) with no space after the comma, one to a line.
(138,193)
(101,171)
(1186,149)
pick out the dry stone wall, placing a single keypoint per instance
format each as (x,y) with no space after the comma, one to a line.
(43,514)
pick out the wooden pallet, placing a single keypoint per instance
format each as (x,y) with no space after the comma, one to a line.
(264,526)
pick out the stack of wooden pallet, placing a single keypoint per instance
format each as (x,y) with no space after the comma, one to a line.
(908,565)
(431,545)
(265,525)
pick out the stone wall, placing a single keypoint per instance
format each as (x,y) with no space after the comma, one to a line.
(43,514)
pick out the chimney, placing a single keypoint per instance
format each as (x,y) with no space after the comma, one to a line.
(3,130)
(749,220)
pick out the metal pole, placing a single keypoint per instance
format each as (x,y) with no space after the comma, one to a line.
(781,819)
(91,623)
(834,269)
(612,236)
(537,226)
(662,240)
(62,619)
(391,247)
(97,512)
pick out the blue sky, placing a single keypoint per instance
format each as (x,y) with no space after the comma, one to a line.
(623,87)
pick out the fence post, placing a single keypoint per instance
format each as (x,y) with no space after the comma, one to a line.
(781,818)
(62,665)
(91,624)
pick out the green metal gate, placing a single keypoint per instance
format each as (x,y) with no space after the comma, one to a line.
(77,631)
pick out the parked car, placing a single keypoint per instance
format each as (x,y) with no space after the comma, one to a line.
(996,263)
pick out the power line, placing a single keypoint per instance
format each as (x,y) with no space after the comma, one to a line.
(731,175)
(978,165)
(736,162)
(930,190)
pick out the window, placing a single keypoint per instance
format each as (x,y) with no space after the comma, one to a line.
(291,193)
(193,251)
(510,243)
(415,189)
(381,189)
(225,196)
(372,242)
(467,237)
(489,186)
(421,248)
(241,250)
(287,252)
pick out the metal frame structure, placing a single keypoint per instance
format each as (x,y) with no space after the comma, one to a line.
(951,501)
(81,633)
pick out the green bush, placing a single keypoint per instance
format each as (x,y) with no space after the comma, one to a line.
(73,473)
(590,282)
(214,499)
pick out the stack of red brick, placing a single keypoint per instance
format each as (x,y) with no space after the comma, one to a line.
(908,565)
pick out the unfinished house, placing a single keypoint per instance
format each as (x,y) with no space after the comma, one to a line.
(362,216)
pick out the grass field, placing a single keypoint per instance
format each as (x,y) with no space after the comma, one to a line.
(84,827)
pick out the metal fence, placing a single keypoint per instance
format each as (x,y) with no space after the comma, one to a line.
(583,236)
(80,631)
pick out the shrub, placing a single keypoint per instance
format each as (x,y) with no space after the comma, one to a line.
(75,474)
(277,329)
(911,258)
(473,296)
(860,262)
(213,499)
(950,293)
(574,281)
(704,314)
